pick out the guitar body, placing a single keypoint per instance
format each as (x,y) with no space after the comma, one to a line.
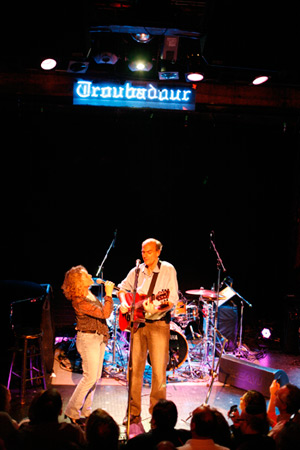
(139,313)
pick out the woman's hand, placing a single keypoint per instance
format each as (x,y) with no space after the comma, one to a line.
(109,287)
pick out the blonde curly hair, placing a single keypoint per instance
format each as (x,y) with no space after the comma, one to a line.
(72,286)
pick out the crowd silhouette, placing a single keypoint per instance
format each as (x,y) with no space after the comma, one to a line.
(254,424)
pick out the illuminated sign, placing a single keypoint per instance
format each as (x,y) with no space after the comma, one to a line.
(134,95)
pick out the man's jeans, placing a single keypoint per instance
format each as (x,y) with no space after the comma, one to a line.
(154,337)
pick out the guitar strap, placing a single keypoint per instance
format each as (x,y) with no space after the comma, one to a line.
(153,281)
(167,317)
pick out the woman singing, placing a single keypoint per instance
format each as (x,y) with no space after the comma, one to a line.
(92,337)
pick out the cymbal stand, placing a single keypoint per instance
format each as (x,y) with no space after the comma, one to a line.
(114,367)
(214,374)
(206,343)
(220,266)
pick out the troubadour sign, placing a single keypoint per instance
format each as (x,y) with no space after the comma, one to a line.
(134,94)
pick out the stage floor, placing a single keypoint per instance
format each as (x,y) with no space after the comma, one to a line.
(188,385)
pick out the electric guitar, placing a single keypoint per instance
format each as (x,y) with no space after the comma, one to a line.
(139,313)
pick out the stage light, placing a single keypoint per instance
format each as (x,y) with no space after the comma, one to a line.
(78,66)
(140,66)
(106,58)
(48,64)
(194,77)
(260,80)
(168,75)
(266,333)
(168,70)
(142,38)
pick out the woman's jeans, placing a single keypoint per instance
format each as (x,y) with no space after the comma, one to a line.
(91,349)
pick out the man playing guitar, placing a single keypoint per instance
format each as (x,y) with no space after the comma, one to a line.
(153,330)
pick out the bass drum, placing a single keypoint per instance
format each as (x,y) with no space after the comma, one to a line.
(178,348)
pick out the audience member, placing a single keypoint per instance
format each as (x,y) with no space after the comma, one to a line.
(252,403)
(222,433)
(288,438)
(165,445)
(287,400)
(253,433)
(8,426)
(163,421)
(203,429)
(44,431)
(102,431)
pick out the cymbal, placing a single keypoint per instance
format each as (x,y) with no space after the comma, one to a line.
(205,293)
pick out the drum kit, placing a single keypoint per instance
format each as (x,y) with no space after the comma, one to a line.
(191,336)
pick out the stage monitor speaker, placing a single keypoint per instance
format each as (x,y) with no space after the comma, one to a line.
(249,376)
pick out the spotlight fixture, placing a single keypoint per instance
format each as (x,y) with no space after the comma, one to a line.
(260,80)
(78,66)
(168,75)
(140,66)
(48,64)
(194,77)
(106,58)
(142,38)
(266,333)
(168,70)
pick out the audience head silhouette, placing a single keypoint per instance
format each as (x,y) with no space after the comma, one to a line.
(102,431)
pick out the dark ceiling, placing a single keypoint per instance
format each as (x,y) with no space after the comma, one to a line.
(230,40)
(223,168)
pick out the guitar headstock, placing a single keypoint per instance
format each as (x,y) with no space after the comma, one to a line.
(163,294)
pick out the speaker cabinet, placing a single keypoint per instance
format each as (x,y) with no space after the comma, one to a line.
(246,375)
(228,325)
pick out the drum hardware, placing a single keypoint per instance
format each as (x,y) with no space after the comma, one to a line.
(178,350)
(114,346)
(220,266)
(210,298)
(213,375)
(206,294)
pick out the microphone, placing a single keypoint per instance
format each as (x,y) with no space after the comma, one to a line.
(212,236)
(137,263)
(115,238)
(223,282)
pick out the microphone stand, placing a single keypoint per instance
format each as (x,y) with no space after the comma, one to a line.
(100,268)
(129,372)
(220,266)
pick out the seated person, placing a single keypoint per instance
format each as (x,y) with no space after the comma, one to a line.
(44,431)
(102,431)
(163,422)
